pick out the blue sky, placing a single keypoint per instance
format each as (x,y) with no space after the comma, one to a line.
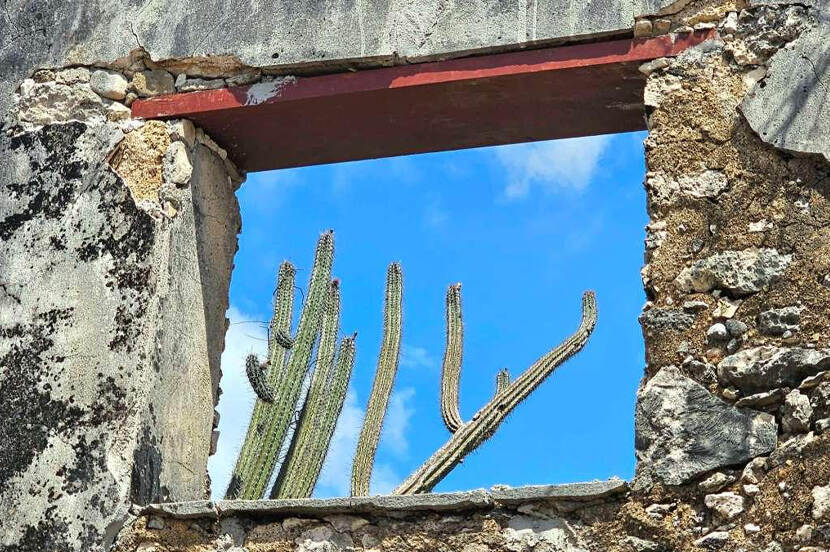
(526,229)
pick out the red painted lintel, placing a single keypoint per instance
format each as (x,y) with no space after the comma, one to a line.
(440,72)
(567,91)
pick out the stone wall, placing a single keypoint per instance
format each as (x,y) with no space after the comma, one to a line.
(732,415)
(118,238)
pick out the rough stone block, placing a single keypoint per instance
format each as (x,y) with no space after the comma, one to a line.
(683,431)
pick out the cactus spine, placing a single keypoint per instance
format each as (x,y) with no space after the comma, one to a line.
(267,432)
(382,387)
(485,422)
(290,481)
(451,367)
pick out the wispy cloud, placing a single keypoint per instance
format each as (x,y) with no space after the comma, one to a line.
(416,357)
(396,426)
(245,336)
(335,478)
(553,165)
(436,216)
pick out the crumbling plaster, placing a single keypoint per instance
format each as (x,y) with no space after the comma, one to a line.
(118,241)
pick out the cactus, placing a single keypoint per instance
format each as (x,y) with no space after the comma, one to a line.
(270,422)
(382,387)
(310,463)
(487,420)
(451,367)
(502,381)
(280,321)
(256,377)
(290,482)
(278,384)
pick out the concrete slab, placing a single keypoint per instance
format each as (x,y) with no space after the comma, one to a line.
(478,499)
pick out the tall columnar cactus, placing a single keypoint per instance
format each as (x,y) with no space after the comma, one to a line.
(486,421)
(382,387)
(334,396)
(270,422)
(264,411)
(318,417)
(278,384)
(451,367)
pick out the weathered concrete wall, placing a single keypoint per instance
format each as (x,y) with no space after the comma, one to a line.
(117,240)
(732,415)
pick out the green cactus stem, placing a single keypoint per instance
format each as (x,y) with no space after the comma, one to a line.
(502,381)
(283,339)
(333,398)
(487,420)
(382,387)
(289,479)
(272,427)
(451,367)
(256,377)
(263,411)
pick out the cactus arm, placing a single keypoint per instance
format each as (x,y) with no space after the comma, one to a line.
(451,367)
(488,418)
(256,377)
(382,386)
(502,381)
(291,471)
(280,322)
(283,339)
(334,398)
(290,388)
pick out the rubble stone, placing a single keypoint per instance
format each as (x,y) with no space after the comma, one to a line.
(739,273)
(154,82)
(767,367)
(796,413)
(683,431)
(779,321)
(727,506)
(108,84)
(821,502)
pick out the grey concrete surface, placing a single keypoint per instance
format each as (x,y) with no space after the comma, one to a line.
(112,323)
(286,34)
(431,502)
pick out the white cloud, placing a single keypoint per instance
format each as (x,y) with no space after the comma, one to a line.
(416,357)
(554,165)
(436,216)
(396,424)
(245,336)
